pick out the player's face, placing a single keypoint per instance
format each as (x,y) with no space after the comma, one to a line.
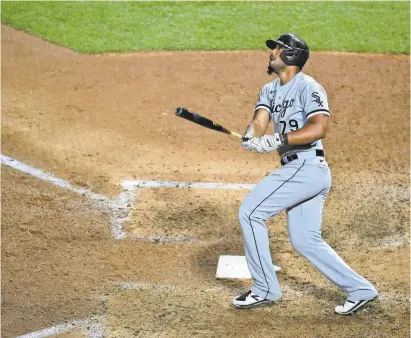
(275,64)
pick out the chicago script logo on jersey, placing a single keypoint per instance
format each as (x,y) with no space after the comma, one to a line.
(283,108)
(273,94)
(317,99)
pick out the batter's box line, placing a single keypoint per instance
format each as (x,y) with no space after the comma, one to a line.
(95,326)
(132,184)
(121,207)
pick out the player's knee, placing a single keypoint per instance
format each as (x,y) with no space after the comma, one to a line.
(248,216)
(299,246)
(244,213)
(249,213)
(303,244)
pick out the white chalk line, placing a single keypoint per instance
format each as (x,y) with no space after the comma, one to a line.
(50,178)
(142,286)
(195,185)
(166,239)
(121,207)
(95,326)
(394,240)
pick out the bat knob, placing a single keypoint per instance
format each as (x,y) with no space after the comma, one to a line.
(179,110)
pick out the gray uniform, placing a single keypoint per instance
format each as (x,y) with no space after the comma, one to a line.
(300,187)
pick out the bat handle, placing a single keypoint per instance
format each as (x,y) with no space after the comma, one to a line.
(233,133)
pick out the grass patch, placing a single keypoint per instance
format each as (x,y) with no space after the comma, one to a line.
(97,27)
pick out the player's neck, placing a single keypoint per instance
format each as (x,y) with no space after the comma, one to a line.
(288,74)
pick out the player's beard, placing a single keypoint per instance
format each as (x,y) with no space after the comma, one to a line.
(273,68)
(270,70)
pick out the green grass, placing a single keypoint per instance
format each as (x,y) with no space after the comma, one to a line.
(96,27)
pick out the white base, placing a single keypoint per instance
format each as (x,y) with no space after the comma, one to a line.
(234,267)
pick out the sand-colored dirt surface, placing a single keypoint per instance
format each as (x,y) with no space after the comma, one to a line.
(96,121)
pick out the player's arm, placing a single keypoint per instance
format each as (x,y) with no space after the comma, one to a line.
(315,129)
(258,124)
(261,118)
(316,111)
(317,114)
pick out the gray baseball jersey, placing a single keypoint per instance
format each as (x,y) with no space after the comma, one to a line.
(290,106)
(300,187)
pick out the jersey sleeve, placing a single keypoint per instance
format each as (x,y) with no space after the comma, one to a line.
(263,100)
(315,100)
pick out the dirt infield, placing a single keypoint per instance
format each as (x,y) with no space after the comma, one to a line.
(96,121)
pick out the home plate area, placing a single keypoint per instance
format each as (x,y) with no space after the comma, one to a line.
(47,191)
(196,213)
(162,259)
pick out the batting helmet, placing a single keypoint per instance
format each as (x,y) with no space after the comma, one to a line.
(295,51)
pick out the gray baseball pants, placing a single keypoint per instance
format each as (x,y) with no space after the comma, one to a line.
(299,187)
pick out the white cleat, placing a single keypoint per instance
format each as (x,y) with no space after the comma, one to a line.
(249,299)
(350,307)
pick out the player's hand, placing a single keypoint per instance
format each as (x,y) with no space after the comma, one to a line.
(265,144)
(251,144)
(249,132)
(270,143)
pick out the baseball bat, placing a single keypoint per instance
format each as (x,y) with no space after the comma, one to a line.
(203,121)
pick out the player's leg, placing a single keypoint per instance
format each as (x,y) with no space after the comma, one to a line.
(283,188)
(304,226)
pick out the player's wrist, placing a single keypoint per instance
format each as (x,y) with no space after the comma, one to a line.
(249,133)
(283,139)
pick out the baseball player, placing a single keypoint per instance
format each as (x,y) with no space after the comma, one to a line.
(298,107)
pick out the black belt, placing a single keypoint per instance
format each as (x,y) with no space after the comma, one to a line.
(289,158)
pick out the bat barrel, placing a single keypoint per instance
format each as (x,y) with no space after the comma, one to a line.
(203,121)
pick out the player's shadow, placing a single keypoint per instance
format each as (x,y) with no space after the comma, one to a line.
(305,288)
